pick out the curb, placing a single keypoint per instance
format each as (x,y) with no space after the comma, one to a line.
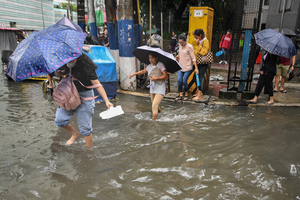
(209,101)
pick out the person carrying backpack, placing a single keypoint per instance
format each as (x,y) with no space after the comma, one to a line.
(225,44)
(83,69)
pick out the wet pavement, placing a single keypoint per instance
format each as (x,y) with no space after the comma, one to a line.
(193,151)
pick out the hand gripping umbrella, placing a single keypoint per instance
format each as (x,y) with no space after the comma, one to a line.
(275,43)
(45,51)
(142,53)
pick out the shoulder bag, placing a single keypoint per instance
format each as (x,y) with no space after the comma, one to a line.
(206,59)
(66,94)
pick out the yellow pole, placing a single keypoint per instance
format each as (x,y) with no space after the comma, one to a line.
(138,10)
(150,21)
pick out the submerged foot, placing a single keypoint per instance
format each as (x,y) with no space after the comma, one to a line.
(72,139)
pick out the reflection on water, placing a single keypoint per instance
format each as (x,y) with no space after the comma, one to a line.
(191,152)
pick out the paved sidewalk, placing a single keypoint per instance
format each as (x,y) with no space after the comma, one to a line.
(291,98)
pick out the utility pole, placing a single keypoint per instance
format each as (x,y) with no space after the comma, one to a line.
(126,44)
(92,18)
(161,25)
(221,19)
(81,14)
(112,29)
(282,15)
(150,20)
(42,14)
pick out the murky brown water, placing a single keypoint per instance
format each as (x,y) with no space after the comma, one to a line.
(191,152)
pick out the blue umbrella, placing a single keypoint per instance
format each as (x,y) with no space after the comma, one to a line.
(45,51)
(275,43)
(68,22)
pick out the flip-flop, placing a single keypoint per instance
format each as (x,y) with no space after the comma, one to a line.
(275,90)
(178,98)
(283,91)
(251,102)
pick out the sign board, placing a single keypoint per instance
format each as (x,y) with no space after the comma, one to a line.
(198,13)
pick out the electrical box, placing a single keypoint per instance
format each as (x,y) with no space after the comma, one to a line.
(201,18)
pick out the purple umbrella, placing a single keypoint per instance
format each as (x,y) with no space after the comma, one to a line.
(68,22)
(45,51)
(142,53)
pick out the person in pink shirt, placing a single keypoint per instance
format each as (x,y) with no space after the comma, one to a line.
(281,70)
(225,44)
(186,59)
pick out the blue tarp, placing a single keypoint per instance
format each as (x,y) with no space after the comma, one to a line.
(106,71)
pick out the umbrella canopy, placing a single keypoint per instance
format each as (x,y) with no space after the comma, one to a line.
(275,43)
(287,32)
(142,53)
(68,22)
(45,51)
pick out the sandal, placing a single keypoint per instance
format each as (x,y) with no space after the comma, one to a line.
(178,98)
(186,98)
(283,91)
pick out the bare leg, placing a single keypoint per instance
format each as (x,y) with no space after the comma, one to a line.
(156,99)
(159,110)
(282,83)
(271,100)
(50,81)
(75,134)
(89,140)
(277,82)
(154,115)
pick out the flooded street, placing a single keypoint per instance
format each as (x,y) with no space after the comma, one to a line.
(192,152)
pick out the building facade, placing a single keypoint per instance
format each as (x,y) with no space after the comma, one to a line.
(290,18)
(27,14)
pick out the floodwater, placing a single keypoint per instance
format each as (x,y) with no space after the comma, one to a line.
(192,152)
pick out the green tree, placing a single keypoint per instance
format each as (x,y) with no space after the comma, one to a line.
(177,8)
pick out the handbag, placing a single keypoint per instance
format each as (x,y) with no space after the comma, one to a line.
(207,59)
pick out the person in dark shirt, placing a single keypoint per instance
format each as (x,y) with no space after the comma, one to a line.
(105,38)
(267,73)
(173,42)
(83,69)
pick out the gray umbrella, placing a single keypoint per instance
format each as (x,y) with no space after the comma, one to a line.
(287,32)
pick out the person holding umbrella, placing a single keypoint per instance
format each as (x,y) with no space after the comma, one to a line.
(267,73)
(83,69)
(157,72)
(186,58)
(276,44)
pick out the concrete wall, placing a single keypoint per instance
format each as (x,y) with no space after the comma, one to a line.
(290,20)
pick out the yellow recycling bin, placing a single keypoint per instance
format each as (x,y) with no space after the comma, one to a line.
(200,18)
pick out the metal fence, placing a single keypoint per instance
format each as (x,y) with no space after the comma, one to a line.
(244,51)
